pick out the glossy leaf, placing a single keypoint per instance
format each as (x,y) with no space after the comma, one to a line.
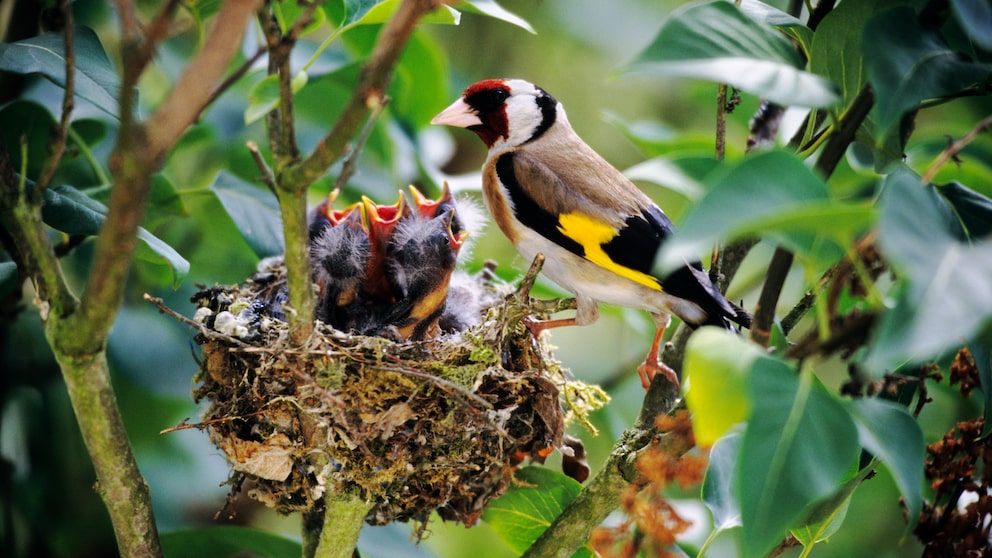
(68,210)
(947,296)
(974,211)
(799,446)
(714,41)
(889,432)
(529,506)
(492,9)
(975,17)
(95,79)
(821,530)
(837,51)
(717,363)
(351,13)
(227,542)
(770,15)
(756,188)
(719,492)
(908,64)
(683,175)
(255,212)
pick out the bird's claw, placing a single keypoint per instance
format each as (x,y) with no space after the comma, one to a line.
(653,367)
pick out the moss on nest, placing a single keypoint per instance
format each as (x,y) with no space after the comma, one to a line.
(413,427)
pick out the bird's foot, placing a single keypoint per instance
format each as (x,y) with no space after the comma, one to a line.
(651,367)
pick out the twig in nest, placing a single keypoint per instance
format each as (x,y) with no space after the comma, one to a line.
(204,330)
(201,425)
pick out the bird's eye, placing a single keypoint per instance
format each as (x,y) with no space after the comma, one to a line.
(500,95)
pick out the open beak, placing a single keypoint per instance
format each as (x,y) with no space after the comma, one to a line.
(459,114)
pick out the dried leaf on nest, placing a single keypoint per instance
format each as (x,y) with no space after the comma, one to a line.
(436,425)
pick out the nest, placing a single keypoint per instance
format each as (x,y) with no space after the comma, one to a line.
(412,427)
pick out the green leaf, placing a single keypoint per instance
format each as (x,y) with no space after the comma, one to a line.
(287,12)
(717,363)
(975,17)
(799,446)
(946,296)
(908,64)
(769,15)
(889,432)
(974,211)
(740,196)
(8,278)
(827,523)
(714,41)
(255,212)
(492,9)
(95,78)
(264,95)
(683,175)
(530,505)
(228,542)
(720,480)
(68,210)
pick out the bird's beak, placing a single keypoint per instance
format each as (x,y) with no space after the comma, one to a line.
(458,114)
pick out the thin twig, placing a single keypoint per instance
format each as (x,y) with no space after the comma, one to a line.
(57,146)
(952,150)
(234,77)
(351,163)
(267,177)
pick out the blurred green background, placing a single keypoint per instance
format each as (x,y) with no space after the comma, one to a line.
(49,505)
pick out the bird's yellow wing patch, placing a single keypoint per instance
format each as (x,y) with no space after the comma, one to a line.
(592,235)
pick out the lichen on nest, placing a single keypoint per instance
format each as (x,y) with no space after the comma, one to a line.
(413,427)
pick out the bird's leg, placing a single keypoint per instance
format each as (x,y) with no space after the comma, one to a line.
(652,365)
(536,326)
(586,312)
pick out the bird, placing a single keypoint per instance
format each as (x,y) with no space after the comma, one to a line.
(422,255)
(340,252)
(550,193)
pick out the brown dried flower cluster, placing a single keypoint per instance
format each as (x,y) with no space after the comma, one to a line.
(652,525)
(959,468)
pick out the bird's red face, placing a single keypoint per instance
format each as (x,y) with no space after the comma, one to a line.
(482,109)
(510,111)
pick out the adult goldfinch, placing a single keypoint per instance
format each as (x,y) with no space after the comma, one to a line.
(550,193)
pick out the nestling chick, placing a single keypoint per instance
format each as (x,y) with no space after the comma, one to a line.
(423,253)
(550,193)
(340,254)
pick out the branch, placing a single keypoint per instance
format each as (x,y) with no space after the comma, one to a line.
(62,132)
(374,79)
(343,519)
(601,496)
(951,153)
(764,313)
(156,32)
(843,136)
(193,90)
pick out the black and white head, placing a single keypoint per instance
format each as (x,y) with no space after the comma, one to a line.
(505,113)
